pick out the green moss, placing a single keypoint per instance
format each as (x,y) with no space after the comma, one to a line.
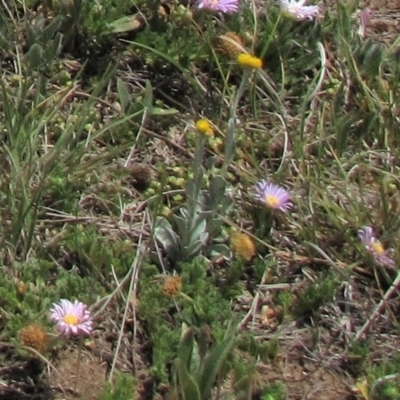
(357,357)
(93,254)
(121,389)
(315,295)
(384,379)
(274,391)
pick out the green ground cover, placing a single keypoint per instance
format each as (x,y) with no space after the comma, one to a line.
(221,189)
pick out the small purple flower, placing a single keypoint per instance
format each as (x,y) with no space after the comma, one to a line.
(298,10)
(72,318)
(375,247)
(365,19)
(225,6)
(273,196)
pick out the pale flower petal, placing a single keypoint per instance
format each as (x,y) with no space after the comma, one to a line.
(225,6)
(375,247)
(273,196)
(298,10)
(72,318)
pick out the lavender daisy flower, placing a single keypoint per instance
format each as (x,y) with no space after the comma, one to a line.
(375,247)
(225,6)
(298,10)
(72,318)
(273,196)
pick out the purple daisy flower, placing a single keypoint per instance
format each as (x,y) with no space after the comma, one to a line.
(273,196)
(375,247)
(72,318)
(298,10)
(225,6)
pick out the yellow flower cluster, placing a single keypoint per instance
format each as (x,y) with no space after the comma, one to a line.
(242,246)
(34,336)
(172,286)
(204,127)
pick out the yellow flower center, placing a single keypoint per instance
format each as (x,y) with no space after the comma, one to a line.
(71,319)
(378,247)
(271,201)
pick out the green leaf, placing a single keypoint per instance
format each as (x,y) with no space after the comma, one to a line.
(217,190)
(182,226)
(220,249)
(190,190)
(54,48)
(34,56)
(126,24)
(373,59)
(194,248)
(188,386)
(164,233)
(51,30)
(123,94)
(185,347)
(199,226)
(230,144)
(213,363)
(163,111)
(148,96)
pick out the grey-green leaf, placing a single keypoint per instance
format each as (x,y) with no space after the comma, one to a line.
(164,233)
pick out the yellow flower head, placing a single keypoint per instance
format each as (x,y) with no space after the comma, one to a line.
(248,61)
(172,286)
(242,246)
(34,336)
(204,127)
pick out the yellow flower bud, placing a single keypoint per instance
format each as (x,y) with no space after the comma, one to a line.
(248,61)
